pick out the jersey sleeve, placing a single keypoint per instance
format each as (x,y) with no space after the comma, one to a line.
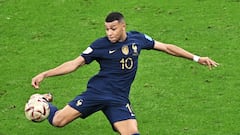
(88,55)
(148,42)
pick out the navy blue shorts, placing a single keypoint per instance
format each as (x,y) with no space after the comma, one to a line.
(115,110)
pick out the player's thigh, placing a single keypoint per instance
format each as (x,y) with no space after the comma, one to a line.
(126,127)
(65,115)
(122,117)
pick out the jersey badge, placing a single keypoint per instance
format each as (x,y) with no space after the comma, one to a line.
(148,37)
(88,50)
(125,50)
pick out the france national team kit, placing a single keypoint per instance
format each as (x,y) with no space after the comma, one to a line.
(109,89)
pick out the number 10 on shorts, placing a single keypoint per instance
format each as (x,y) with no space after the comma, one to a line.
(130,109)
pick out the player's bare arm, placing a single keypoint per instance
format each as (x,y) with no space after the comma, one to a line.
(179,52)
(65,68)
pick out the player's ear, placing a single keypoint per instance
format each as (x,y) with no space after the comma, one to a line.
(123,24)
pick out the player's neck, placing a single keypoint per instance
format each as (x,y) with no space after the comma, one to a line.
(123,38)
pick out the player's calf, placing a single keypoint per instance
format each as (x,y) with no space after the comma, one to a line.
(64,116)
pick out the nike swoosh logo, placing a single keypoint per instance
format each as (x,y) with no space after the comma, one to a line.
(111,51)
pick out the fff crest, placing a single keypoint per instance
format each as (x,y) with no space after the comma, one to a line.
(134,47)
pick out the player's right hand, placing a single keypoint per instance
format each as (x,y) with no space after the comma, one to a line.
(36,80)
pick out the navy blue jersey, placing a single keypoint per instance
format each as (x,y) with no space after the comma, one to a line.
(118,64)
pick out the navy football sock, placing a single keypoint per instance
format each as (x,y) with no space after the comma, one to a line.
(136,134)
(53,110)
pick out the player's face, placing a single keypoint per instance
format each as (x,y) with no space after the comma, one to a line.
(115,31)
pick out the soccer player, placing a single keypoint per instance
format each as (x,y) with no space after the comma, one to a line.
(108,91)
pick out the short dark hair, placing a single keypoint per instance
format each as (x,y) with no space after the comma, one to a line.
(113,16)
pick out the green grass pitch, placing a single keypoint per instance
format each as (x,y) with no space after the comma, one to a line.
(170,95)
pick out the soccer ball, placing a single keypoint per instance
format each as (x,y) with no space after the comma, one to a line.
(37,108)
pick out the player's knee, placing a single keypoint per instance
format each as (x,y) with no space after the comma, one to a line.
(129,132)
(135,133)
(59,122)
(127,127)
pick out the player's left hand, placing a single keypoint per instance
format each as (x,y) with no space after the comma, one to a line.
(208,62)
